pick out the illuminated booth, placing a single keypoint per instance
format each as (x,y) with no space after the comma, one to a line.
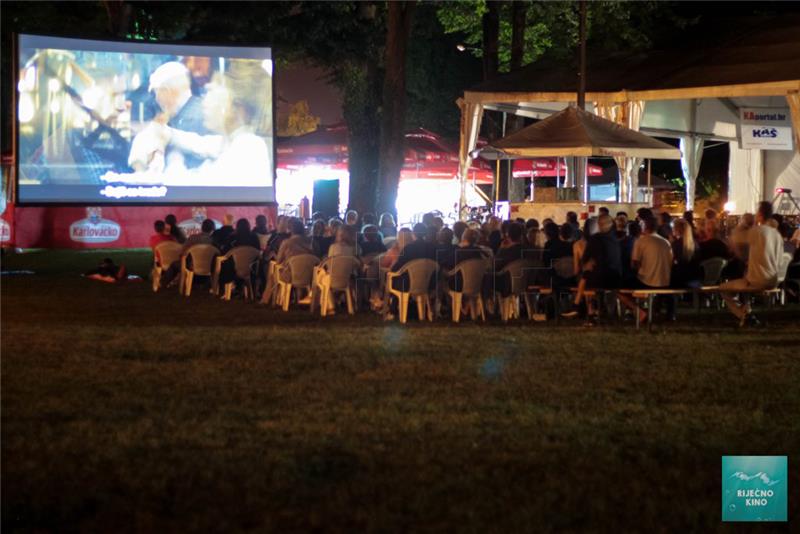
(743,90)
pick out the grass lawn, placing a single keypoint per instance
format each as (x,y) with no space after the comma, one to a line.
(124,410)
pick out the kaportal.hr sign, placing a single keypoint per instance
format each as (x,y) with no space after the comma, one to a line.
(765,128)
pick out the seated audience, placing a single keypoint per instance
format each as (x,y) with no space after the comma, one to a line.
(175,230)
(418,249)
(559,242)
(295,245)
(345,243)
(626,250)
(161,234)
(601,265)
(665,225)
(280,234)
(711,246)
(261,227)
(241,237)
(652,261)
(319,241)
(511,250)
(621,223)
(404,237)
(203,237)
(765,248)
(445,249)
(684,267)
(387,226)
(351,219)
(221,234)
(372,243)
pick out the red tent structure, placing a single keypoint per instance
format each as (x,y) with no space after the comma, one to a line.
(547,168)
(428,156)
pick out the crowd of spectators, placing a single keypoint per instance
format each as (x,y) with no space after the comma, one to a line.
(642,251)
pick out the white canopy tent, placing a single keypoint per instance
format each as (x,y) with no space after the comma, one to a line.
(693,97)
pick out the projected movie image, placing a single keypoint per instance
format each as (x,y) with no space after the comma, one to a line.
(121,122)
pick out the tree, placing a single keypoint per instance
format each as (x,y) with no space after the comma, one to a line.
(393,125)
(516,187)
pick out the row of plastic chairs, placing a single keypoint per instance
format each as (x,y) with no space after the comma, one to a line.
(206,260)
(322,281)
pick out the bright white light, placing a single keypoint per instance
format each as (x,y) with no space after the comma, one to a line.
(28,82)
(54,85)
(729,206)
(136,81)
(267,66)
(91,97)
(68,75)
(25,110)
(418,196)
(55,106)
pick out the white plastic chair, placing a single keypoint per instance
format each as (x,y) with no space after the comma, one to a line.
(518,274)
(202,262)
(419,279)
(300,273)
(335,275)
(783,270)
(472,273)
(166,254)
(243,260)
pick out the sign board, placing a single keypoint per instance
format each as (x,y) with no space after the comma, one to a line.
(765,128)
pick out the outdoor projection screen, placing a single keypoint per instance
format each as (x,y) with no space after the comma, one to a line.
(140,123)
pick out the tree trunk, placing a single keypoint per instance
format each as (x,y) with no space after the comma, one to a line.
(118,13)
(516,186)
(361,113)
(392,139)
(492,120)
(491,36)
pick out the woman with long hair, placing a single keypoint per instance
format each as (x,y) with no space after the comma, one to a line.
(684,250)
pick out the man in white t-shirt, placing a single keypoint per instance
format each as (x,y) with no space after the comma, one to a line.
(763,264)
(652,260)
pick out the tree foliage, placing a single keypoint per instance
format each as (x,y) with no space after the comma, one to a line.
(552,27)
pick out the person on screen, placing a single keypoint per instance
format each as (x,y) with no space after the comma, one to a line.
(234,108)
(171,86)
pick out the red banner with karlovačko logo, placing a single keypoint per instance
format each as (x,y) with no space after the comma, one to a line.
(109,226)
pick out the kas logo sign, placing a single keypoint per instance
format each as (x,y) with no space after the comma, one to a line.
(765,132)
(754,488)
(94,229)
(765,128)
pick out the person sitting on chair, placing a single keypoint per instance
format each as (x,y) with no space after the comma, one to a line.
(652,261)
(601,265)
(765,249)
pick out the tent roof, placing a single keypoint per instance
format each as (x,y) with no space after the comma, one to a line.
(755,51)
(575,132)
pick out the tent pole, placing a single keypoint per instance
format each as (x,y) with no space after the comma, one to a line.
(649,182)
(496,185)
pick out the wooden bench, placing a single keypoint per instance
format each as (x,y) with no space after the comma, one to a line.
(649,295)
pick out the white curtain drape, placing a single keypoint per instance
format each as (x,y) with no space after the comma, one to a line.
(471,116)
(628,114)
(691,155)
(745,178)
